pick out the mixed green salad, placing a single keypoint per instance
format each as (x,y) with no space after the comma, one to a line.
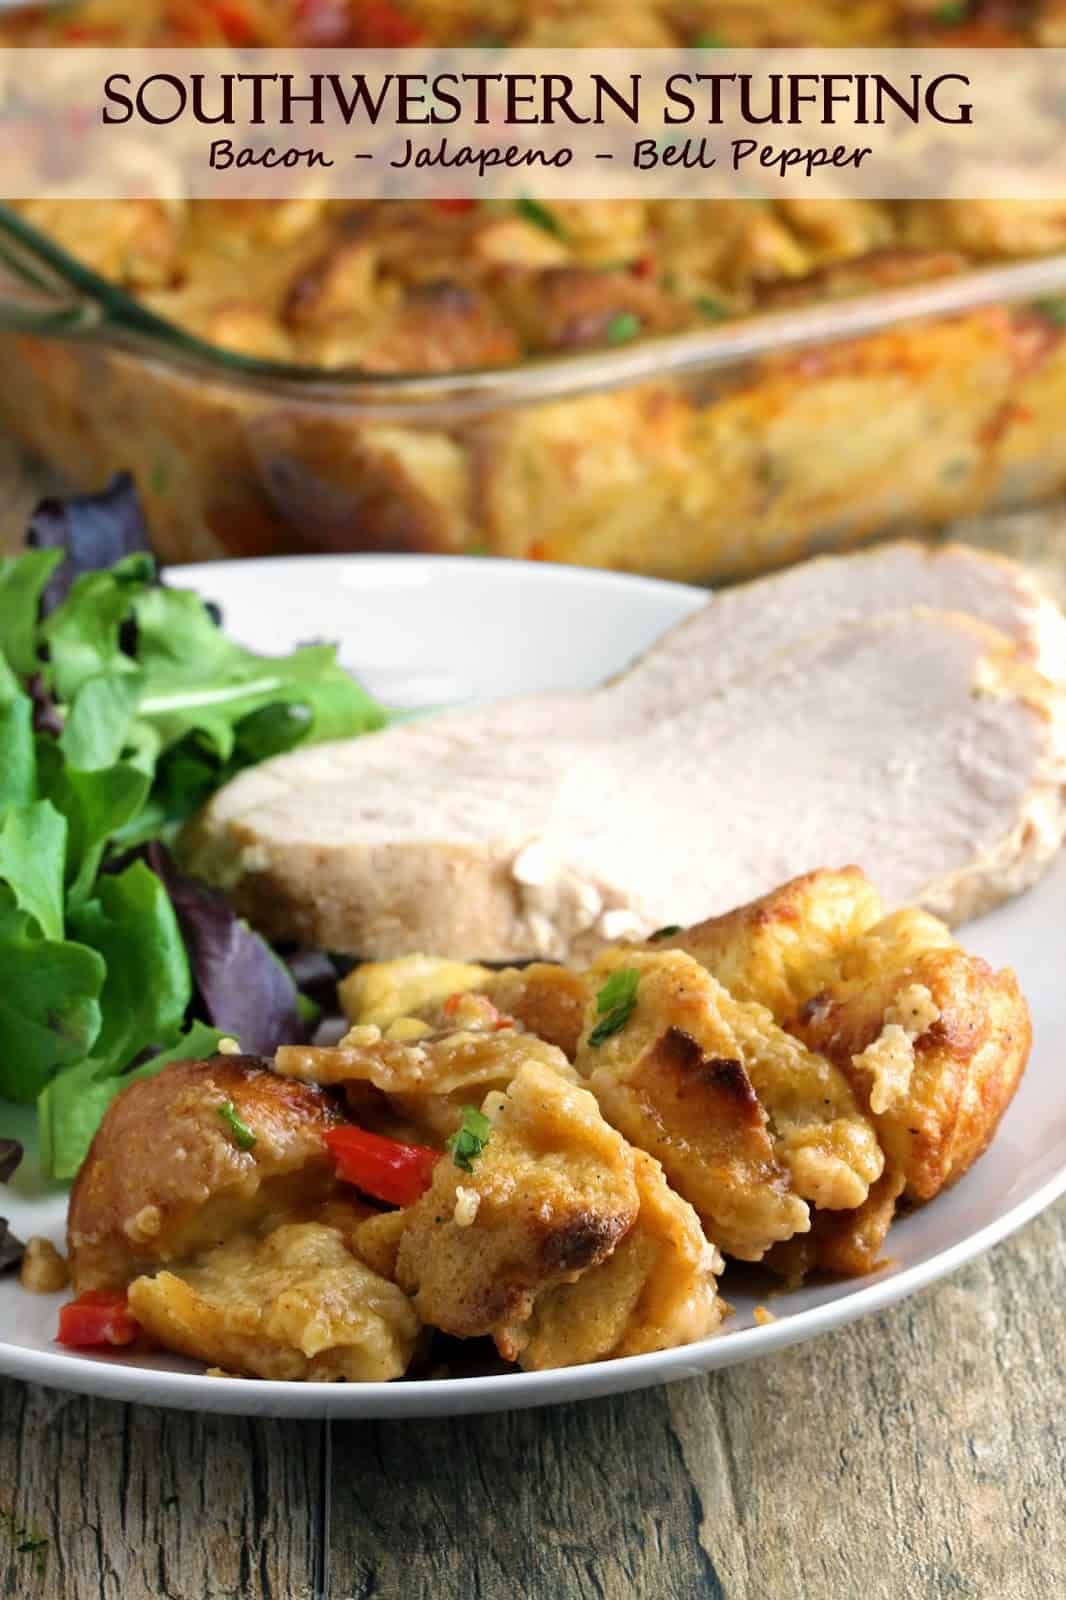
(123,706)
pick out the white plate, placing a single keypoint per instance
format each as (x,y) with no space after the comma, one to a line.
(437,631)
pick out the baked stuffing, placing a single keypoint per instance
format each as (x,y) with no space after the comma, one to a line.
(572,1199)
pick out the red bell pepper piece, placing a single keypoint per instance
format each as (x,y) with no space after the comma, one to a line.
(384,1169)
(97,1317)
(458,204)
(234,24)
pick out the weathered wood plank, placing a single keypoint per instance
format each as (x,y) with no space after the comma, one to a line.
(916,1454)
(155,1505)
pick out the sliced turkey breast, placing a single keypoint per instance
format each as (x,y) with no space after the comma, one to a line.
(740,630)
(745,626)
(919,745)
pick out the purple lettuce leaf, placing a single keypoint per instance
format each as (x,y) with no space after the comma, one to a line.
(10,1155)
(11,1249)
(242,987)
(93,531)
(46,716)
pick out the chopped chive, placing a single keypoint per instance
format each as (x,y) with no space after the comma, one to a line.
(712,309)
(667,932)
(709,41)
(615,1003)
(540,216)
(243,1137)
(951,12)
(469,1139)
(623,327)
(1053,310)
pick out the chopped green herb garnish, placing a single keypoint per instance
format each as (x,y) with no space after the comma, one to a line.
(623,327)
(615,1003)
(471,1137)
(540,216)
(710,41)
(713,309)
(1053,310)
(667,932)
(952,11)
(243,1137)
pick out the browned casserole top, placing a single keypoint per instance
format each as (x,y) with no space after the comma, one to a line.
(393,286)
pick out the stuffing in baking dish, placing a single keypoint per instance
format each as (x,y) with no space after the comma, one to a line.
(439,286)
(697,474)
(570,1193)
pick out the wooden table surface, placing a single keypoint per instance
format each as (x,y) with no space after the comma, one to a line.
(919,1453)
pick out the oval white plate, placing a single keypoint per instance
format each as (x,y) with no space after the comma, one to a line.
(425,631)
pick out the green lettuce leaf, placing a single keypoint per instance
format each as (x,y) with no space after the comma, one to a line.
(83,634)
(131,923)
(71,1108)
(33,847)
(22,581)
(123,707)
(97,806)
(98,725)
(49,1003)
(18,765)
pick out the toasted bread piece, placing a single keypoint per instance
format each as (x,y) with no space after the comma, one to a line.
(849,1243)
(165,1177)
(932,1039)
(419,1089)
(296,1304)
(918,744)
(543,998)
(776,949)
(673,1081)
(378,992)
(820,1131)
(716,1089)
(552,1194)
(548,1000)
(656,1290)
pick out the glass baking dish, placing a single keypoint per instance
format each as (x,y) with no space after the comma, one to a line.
(705,455)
